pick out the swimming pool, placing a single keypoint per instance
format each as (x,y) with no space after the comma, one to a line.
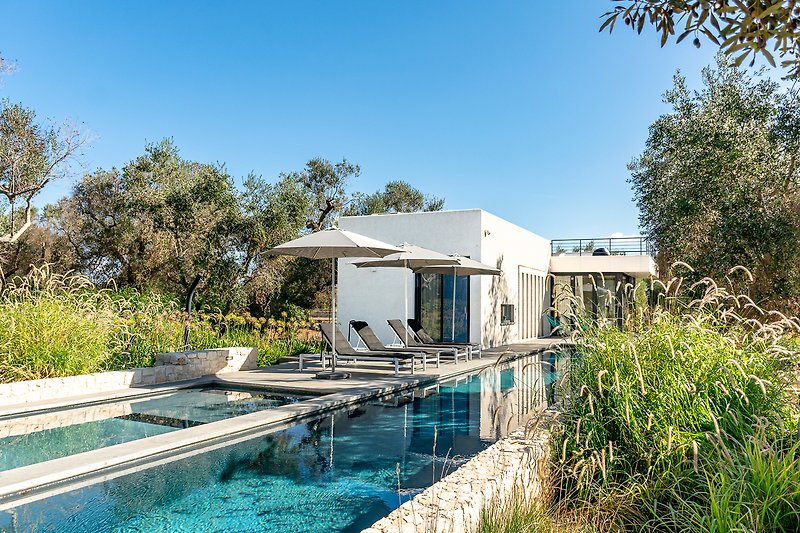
(50,435)
(338,472)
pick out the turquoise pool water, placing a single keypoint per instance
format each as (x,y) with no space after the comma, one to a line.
(335,473)
(46,436)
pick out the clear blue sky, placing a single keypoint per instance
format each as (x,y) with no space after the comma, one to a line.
(521,108)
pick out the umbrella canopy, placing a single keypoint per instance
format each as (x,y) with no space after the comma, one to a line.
(464,267)
(334,243)
(331,244)
(411,257)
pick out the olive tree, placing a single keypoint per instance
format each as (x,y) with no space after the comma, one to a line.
(325,185)
(396,197)
(155,224)
(31,156)
(718,184)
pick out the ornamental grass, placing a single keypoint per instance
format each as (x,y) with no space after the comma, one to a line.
(683,419)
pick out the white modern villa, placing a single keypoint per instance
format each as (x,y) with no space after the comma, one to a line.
(490,310)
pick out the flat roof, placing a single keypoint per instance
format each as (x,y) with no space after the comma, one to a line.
(638,266)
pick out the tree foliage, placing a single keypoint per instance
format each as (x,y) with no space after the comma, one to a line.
(31,156)
(161,219)
(742,28)
(154,224)
(271,214)
(325,185)
(717,184)
(39,245)
(396,197)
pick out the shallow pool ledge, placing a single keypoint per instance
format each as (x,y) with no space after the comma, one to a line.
(514,467)
(40,480)
(169,367)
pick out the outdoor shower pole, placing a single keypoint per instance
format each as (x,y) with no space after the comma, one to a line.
(189,297)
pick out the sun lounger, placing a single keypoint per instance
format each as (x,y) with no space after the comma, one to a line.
(372,342)
(346,352)
(424,338)
(404,335)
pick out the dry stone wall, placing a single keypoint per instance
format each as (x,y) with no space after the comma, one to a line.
(516,466)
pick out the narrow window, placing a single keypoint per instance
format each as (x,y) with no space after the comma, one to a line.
(506,314)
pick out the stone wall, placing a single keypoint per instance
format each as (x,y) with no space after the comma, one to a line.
(516,466)
(212,361)
(169,367)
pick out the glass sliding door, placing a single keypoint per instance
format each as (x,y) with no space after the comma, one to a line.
(461,309)
(434,306)
(603,295)
(428,307)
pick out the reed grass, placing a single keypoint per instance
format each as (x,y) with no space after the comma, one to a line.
(682,420)
(54,325)
(518,516)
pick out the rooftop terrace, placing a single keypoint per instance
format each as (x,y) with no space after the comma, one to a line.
(614,245)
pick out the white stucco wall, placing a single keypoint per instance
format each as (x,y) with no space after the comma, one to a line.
(508,247)
(376,295)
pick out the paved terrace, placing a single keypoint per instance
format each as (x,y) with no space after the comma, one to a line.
(375,374)
(369,379)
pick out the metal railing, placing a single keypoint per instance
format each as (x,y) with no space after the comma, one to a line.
(614,245)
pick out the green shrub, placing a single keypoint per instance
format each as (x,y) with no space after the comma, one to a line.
(60,325)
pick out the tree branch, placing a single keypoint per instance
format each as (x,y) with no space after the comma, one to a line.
(15,235)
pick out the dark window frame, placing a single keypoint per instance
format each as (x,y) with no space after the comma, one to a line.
(504,320)
(418,304)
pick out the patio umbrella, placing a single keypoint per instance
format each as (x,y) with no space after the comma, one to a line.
(332,244)
(464,267)
(410,257)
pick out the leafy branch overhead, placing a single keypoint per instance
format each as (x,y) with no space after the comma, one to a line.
(741,28)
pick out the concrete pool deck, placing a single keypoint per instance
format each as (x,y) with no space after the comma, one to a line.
(29,483)
(372,373)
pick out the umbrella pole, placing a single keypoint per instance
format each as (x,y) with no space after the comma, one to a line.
(405,295)
(333,315)
(333,374)
(453,331)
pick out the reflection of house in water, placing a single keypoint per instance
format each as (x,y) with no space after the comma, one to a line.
(461,420)
(483,410)
(518,392)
